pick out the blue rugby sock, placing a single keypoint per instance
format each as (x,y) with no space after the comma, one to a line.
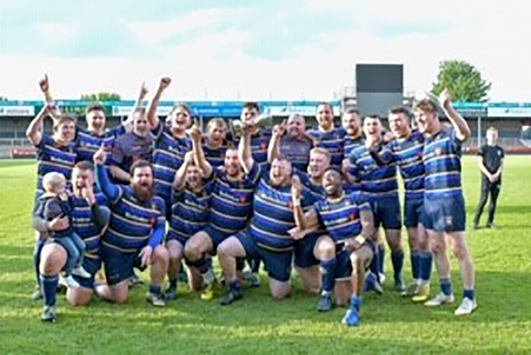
(39,244)
(469,294)
(426,262)
(49,288)
(446,286)
(416,264)
(155,289)
(381,258)
(173,283)
(328,272)
(397,258)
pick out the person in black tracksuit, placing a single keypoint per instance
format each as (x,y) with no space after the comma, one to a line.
(491,157)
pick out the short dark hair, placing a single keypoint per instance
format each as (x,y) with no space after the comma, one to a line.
(84,165)
(251,105)
(95,107)
(326,104)
(140,164)
(373,116)
(351,109)
(335,170)
(396,110)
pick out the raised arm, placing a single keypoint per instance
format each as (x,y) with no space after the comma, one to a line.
(128,123)
(102,177)
(459,123)
(152,116)
(273,149)
(244,150)
(197,149)
(34,131)
(180,175)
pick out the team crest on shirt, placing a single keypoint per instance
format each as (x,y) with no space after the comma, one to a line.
(263,146)
(243,199)
(153,222)
(352,216)
(290,205)
(438,152)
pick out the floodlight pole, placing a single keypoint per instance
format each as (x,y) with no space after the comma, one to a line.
(479,131)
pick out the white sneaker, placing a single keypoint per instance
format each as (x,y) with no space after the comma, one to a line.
(466,307)
(381,278)
(70,282)
(81,272)
(439,300)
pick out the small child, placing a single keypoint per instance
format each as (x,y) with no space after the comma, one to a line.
(55,203)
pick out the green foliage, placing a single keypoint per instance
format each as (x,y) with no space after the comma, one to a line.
(260,325)
(3,98)
(101,97)
(463,79)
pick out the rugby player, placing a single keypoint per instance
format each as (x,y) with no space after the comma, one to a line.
(54,153)
(189,214)
(136,230)
(260,137)
(232,197)
(327,136)
(266,239)
(443,198)
(171,144)
(215,143)
(347,248)
(380,186)
(306,264)
(351,123)
(295,145)
(89,219)
(407,151)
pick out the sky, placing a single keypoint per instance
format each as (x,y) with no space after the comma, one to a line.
(256,50)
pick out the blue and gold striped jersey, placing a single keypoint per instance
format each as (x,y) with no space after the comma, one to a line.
(51,157)
(376,182)
(273,215)
(341,216)
(190,210)
(442,165)
(87,143)
(333,141)
(232,200)
(132,223)
(168,157)
(215,156)
(409,154)
(83,222)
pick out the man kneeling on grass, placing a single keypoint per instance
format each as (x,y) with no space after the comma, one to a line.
(135,232)
(346,249)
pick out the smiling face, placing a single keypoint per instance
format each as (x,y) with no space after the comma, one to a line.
(193,176)
(372,127)
(249,114)
(217,133)
(142,183)
(65,130)
(399,124)
(141,124)
(296,126)
(325,116)
(232,162)
(82,178)
(280,172)
(332,182)
(180,120)
(96,120)
(319,162)
(351,122)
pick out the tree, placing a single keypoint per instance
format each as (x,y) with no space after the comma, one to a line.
(101,97)
(463,79)
(3,98)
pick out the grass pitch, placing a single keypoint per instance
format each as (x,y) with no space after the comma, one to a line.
(258,324)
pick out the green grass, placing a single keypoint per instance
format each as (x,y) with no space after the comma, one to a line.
(258,324)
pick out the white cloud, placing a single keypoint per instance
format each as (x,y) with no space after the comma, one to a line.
(218,64)
(52,32)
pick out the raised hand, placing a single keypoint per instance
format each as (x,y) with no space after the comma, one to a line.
(296,187)
(87,193)
(44,84)
(165,83)
(445,98)
(195,131)
(100,156)
(280,129)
